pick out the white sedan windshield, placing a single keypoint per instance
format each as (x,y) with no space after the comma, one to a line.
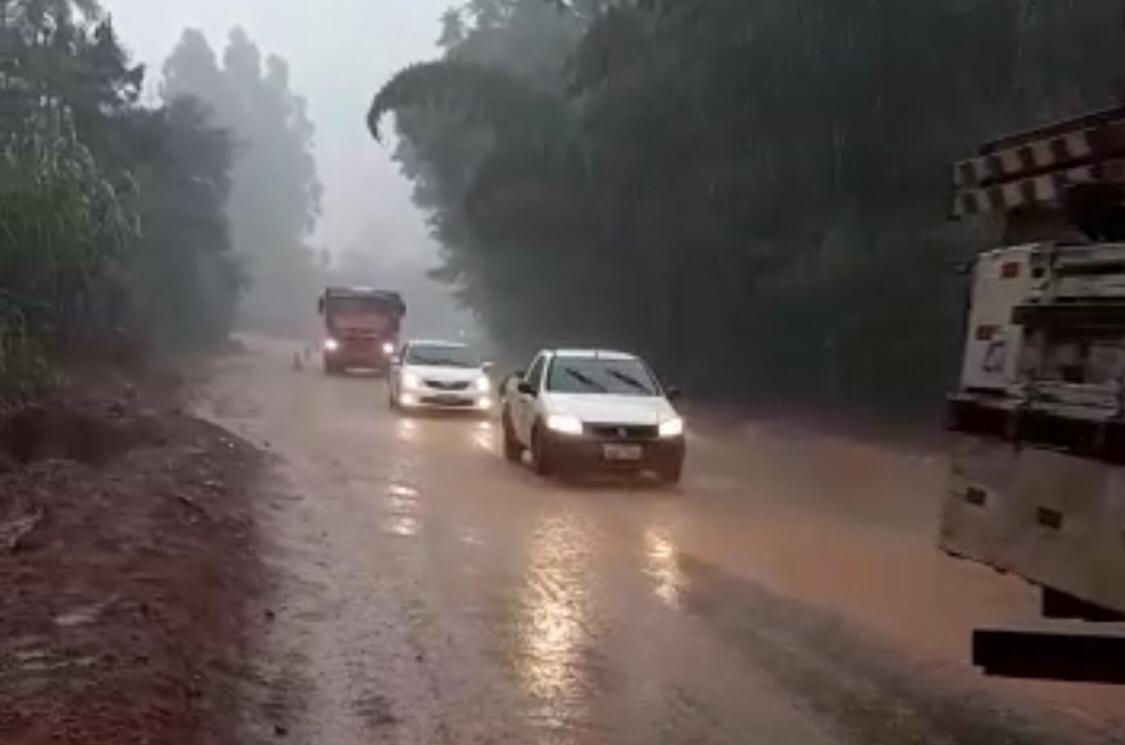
(437,355)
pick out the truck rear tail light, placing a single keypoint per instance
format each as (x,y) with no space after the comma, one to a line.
(985,332)
(1009,270)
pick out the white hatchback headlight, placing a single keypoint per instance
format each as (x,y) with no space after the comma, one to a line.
(484,385)
(564,424)
(672,428)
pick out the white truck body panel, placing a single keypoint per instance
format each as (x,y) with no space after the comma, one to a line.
(1038,474)
(1002,281)
(1056,519)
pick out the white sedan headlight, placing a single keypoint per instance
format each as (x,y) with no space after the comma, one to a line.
(483,384)
(672,428)
(564,424)
(410,380)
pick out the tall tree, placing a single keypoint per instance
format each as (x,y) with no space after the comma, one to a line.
(185,276)
(275,193)
(65,54)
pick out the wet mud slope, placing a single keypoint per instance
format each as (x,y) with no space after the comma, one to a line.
(126,559)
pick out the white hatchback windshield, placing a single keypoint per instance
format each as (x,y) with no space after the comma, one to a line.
(619,377)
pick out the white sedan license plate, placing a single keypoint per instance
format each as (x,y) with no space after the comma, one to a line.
(622,452)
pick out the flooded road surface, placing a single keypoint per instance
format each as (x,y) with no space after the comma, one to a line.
(789,592)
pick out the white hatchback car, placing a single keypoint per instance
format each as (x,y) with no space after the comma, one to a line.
(439,375)
(592,410)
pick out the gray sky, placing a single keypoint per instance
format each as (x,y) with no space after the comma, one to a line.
(340,52)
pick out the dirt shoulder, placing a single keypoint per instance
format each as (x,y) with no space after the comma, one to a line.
(128,562)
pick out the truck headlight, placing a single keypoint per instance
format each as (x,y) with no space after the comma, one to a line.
(672,428)
(410,380)
(564,424)
(484,385)
(331,345)
(388,348)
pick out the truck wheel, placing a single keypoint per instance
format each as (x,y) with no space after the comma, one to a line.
(540,453)
(513,450)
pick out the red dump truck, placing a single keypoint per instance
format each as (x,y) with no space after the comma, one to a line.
(361,328)
(1038,470)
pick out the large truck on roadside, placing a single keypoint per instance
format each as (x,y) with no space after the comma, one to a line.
(361,328)
(1038,469)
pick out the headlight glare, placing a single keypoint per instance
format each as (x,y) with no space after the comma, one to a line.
(331,345)
(672,428)
(410,380)
(564,424)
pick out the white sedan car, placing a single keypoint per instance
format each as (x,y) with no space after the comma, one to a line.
(592,410)
(439,375)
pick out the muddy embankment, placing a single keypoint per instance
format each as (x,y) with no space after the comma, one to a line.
(128,564)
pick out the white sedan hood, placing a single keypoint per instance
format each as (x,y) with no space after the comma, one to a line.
(610,409)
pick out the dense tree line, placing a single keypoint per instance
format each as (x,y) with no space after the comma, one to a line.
(751,192)
(115,217)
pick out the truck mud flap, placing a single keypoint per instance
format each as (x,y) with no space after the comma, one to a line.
(1094,655)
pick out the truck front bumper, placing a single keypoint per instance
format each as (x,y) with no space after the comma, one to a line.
(366,355)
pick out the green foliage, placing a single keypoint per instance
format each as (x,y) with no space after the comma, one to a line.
(64,54)
(751,192)
(113,217)
(64,236)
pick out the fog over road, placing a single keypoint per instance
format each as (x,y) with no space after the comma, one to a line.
(788,592)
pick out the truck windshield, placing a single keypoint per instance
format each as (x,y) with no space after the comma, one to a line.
(351,306)
(592,375)
(440,355)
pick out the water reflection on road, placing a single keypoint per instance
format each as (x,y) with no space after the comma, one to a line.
(402,511)
(484,436)
(554,605)
(662,565)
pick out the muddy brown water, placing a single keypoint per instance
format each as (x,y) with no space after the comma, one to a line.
(428,592)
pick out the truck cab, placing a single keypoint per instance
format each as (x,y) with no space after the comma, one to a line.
(361,328)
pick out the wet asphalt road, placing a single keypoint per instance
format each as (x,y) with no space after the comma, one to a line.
(789,592)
